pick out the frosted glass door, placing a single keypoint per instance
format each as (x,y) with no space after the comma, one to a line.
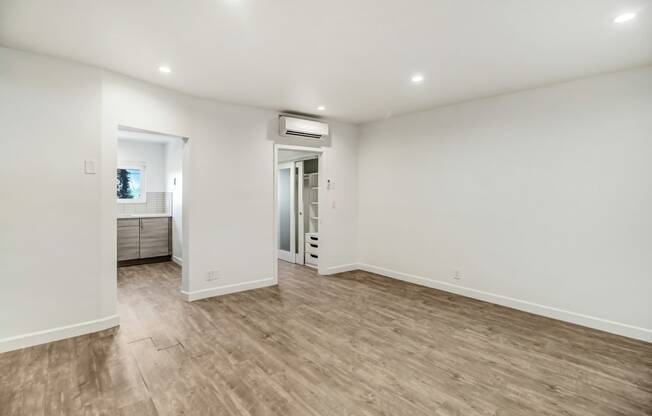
(285,209)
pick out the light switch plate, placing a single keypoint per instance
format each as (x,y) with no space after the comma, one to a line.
(89,167)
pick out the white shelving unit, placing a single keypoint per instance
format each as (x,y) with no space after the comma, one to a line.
(311,225)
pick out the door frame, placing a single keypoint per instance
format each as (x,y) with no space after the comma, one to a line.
(298,257)
(320,152)
(111,133)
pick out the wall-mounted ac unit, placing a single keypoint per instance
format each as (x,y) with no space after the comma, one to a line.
(299,127)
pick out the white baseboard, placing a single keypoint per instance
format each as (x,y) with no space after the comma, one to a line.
(177,260)
(56,334)
(339,269)
(618,328)
(227,289)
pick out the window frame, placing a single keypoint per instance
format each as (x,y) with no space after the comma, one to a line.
(142,167)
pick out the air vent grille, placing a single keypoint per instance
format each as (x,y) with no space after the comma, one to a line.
(302,134)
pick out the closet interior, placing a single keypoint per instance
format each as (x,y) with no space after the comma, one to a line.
(311,210)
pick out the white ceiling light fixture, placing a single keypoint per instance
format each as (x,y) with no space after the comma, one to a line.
(625,17)
(164,69)
(321,108)
(417,79)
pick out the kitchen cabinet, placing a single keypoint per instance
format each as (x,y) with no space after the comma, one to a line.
(128,239)
(143,239)
(154,237)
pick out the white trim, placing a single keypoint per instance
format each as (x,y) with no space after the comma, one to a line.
(299,258)
(286,256)
(178,260)
(56,334)
(325,271)
(618,328)
(227,289)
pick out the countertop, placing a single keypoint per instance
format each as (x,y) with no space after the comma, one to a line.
(123,216)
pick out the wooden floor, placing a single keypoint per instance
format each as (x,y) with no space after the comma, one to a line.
(351,344)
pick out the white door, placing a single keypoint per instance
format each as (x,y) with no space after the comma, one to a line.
(286,212)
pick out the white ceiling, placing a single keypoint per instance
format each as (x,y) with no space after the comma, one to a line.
(355,57)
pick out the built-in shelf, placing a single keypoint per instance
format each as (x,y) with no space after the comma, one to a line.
(311,193)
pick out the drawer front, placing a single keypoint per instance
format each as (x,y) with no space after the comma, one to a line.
(128,243)
(128,222)
(312,248)
(312,258)
(154,237)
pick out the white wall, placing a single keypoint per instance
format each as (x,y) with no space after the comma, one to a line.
(154,156)
(228,220)
(541,199)
(338,206)
(174,185)
(50,249)
(228,211)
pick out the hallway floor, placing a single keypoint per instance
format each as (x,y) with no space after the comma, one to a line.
(350,344)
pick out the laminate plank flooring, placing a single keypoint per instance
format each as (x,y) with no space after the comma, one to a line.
(349,344)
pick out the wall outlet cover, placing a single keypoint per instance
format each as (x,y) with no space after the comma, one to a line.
(212,275)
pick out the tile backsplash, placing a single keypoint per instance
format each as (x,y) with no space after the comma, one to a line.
(157,203)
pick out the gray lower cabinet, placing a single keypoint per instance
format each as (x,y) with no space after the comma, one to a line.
(154,237)
(128,239)
(144,238)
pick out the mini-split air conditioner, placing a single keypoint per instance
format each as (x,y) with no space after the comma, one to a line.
(299,127)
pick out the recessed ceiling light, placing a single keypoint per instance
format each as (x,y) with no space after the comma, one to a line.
(625,17)
(321,108)
(164,69)
(417,78)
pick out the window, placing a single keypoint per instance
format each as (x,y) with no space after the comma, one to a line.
(130,184)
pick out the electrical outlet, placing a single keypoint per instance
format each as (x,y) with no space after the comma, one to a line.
(212,275)
(457,275)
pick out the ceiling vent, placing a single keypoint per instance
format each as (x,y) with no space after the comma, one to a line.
(299,127)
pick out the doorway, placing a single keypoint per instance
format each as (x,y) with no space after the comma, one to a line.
(149,187)
(297,182)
